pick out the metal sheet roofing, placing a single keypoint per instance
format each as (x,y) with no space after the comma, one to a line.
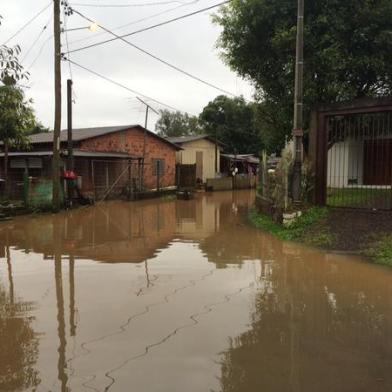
(191,138)
(77,153)
(80,134)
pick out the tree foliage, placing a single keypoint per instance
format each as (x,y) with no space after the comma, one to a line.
(177,124)
(347,52)
(232,121)
(16,115)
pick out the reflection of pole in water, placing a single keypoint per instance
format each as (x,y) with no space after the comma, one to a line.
(147,275)
(142,234)
(10,278)
(72,295)
(61,364)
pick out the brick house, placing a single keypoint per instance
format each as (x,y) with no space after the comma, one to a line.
(105,157)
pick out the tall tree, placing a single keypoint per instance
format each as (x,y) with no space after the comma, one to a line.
(16,120)
(347,52)
(177,124)
(232,121)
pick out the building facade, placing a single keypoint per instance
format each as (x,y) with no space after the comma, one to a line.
(200,150)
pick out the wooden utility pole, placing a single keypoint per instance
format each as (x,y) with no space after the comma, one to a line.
(298,105)
(71,164)
(57,108)
(70,161)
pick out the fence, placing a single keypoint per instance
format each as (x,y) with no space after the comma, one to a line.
(113,178)
(352,151)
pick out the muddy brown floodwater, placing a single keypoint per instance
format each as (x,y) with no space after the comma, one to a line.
(173,296)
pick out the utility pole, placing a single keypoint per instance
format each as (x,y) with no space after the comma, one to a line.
(71,164)
(298,105)
(57,108)
(70,161)
(145,136)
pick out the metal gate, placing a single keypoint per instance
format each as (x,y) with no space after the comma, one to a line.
(186,176)
(354,156)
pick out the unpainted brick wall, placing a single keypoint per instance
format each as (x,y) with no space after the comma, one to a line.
(131,141)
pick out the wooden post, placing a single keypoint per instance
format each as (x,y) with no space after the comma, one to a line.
(57,108)
(298,104)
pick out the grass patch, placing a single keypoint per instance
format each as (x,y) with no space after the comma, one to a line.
(169,197)
(309,228)
(380,251)
(354,197)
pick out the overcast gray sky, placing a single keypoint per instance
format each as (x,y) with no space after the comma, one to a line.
(189,44)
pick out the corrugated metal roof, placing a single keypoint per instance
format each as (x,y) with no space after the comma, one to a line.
(191,138)
(28,154)
(80,134)
(77,153)
(250,158)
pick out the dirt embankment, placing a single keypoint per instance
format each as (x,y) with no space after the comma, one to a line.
(356,230)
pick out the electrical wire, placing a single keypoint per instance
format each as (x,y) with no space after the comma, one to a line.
(141,30)
(123,86)
(136,21)
(37,39)
(27,23)
(127,5)
(39,53)
(186,73)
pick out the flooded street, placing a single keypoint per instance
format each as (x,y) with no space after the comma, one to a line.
(185,296)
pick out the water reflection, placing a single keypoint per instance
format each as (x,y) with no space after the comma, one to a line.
(185,296)
(318,324)
(18,341)
(129,232)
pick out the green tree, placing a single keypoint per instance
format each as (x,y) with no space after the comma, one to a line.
(347,52)
(232,121)
(177,124)
(16,119)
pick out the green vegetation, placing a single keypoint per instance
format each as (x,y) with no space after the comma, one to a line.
(354,197)
(347,54)
(309,228)
(232,121)
(174,124)
(169,197)
(380,251)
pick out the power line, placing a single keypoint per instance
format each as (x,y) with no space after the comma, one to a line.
(37,39)
(122,85)
(141,30)
(137,21)
(39,52)
(158,58)
(127,5)
(27,23)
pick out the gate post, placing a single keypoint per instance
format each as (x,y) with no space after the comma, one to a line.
(321,159)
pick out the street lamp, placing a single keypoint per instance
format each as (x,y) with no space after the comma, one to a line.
(93,28)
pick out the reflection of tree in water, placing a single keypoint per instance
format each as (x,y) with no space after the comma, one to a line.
(313,334)
(18,345)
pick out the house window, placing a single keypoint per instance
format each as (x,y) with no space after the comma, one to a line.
(158,166)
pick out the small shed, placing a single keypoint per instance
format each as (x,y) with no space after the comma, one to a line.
(200,150)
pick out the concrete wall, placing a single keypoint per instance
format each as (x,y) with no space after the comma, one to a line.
(188,156)
(220,184)
(132,141)
(345,164)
